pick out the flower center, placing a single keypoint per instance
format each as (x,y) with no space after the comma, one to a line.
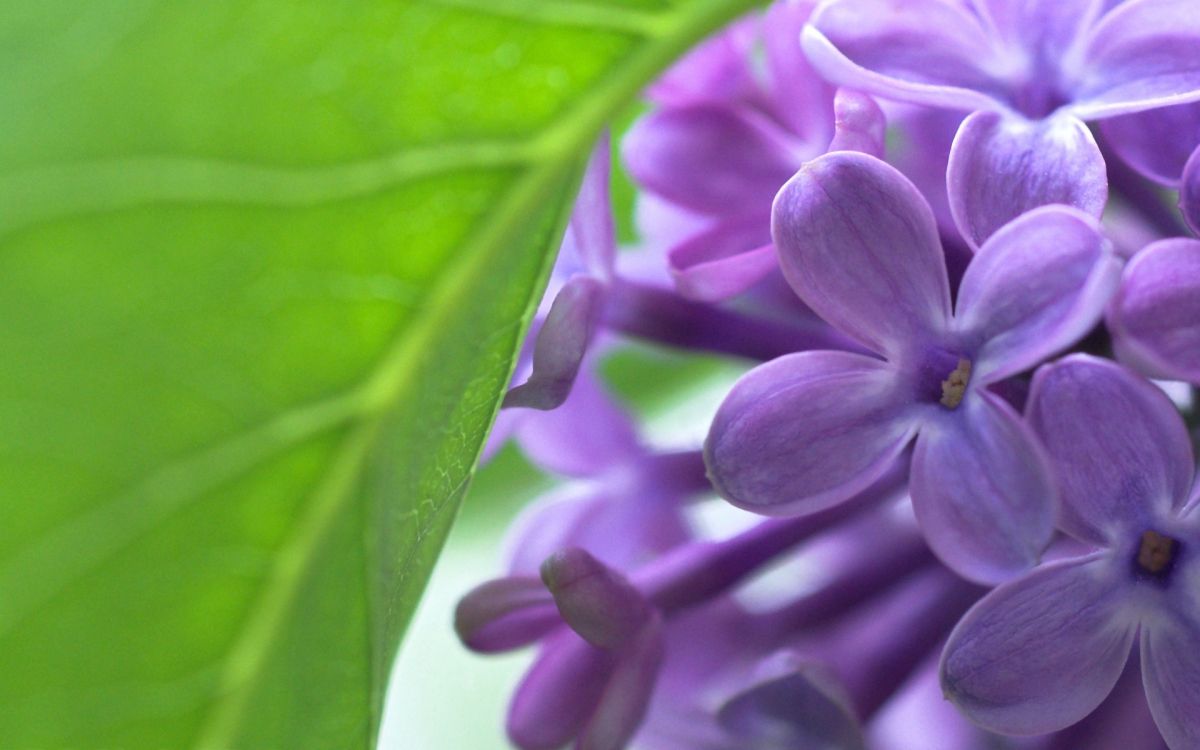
(1156,555)
(955,384)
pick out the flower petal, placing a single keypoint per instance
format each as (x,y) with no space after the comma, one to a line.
(1118,446)
(724,261)
(806,431)
(1041,652)
(860,124)
(709,158)
(591,229)
(798,94)
(627,694)
(922,51)
(717,69)
(1171,673)
(1156,143)
(558,695)
(505,613)
(982,490)
(622,528)
(553,440)
(1002,166)
(1156,314)
(1189,192)
(560,346)
(859,245)
(792,703)
(1037,286)
(1140,56)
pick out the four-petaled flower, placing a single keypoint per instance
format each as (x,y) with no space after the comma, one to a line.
(858,244)
(1041,652)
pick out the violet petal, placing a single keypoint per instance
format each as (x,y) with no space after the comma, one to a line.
(1189,192)
(1037,286)
(627,694)
(591,228)
(504,614)
(799,95)
(560,346)
(860,246)
(794,704)
(1156,143)
(724,261)
(1140,56)
(859,124)
(1118,446)
(806,431)
(708,158)
(1041,652)
(558,695)
(982,490)
(922,51)
(553,440)
(1156,314)
(1171,673)
(595,601)
(1002,166)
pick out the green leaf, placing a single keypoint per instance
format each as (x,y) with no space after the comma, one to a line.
(264,267)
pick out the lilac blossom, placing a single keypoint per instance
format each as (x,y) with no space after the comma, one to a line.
(726,138)
(1155,316)
(1041,652)
(858,244)
(1031,73)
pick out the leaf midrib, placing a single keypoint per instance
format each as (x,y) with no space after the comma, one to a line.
(568,140)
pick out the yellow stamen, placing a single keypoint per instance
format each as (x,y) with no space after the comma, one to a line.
(955,386)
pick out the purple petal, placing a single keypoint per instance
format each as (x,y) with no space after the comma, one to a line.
(859,245)
(725,260)
(1171,673)
(921,51)
(504,614)
(623,526)
(1118,446)
(1156,314)
(561,344)
(1002,166)
(716,70)
(553,440)
(1043,29)
(859,124)
(983,491)
(791,704)
(1141,55)
(1037,286)
(559,693)
(626,697)
(799,95)
(708,158)
(1189,192)
(1157,143)
(806,431)
(591,228)
(596,602)
(1040,653)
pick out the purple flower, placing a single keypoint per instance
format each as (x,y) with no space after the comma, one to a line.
(719,149)
(858,244)
(1157,143)
(1032,73)
(579,287)
(1155,317)
(1041,652)
(1163,145)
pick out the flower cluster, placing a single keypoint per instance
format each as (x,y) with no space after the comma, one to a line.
(953,241)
